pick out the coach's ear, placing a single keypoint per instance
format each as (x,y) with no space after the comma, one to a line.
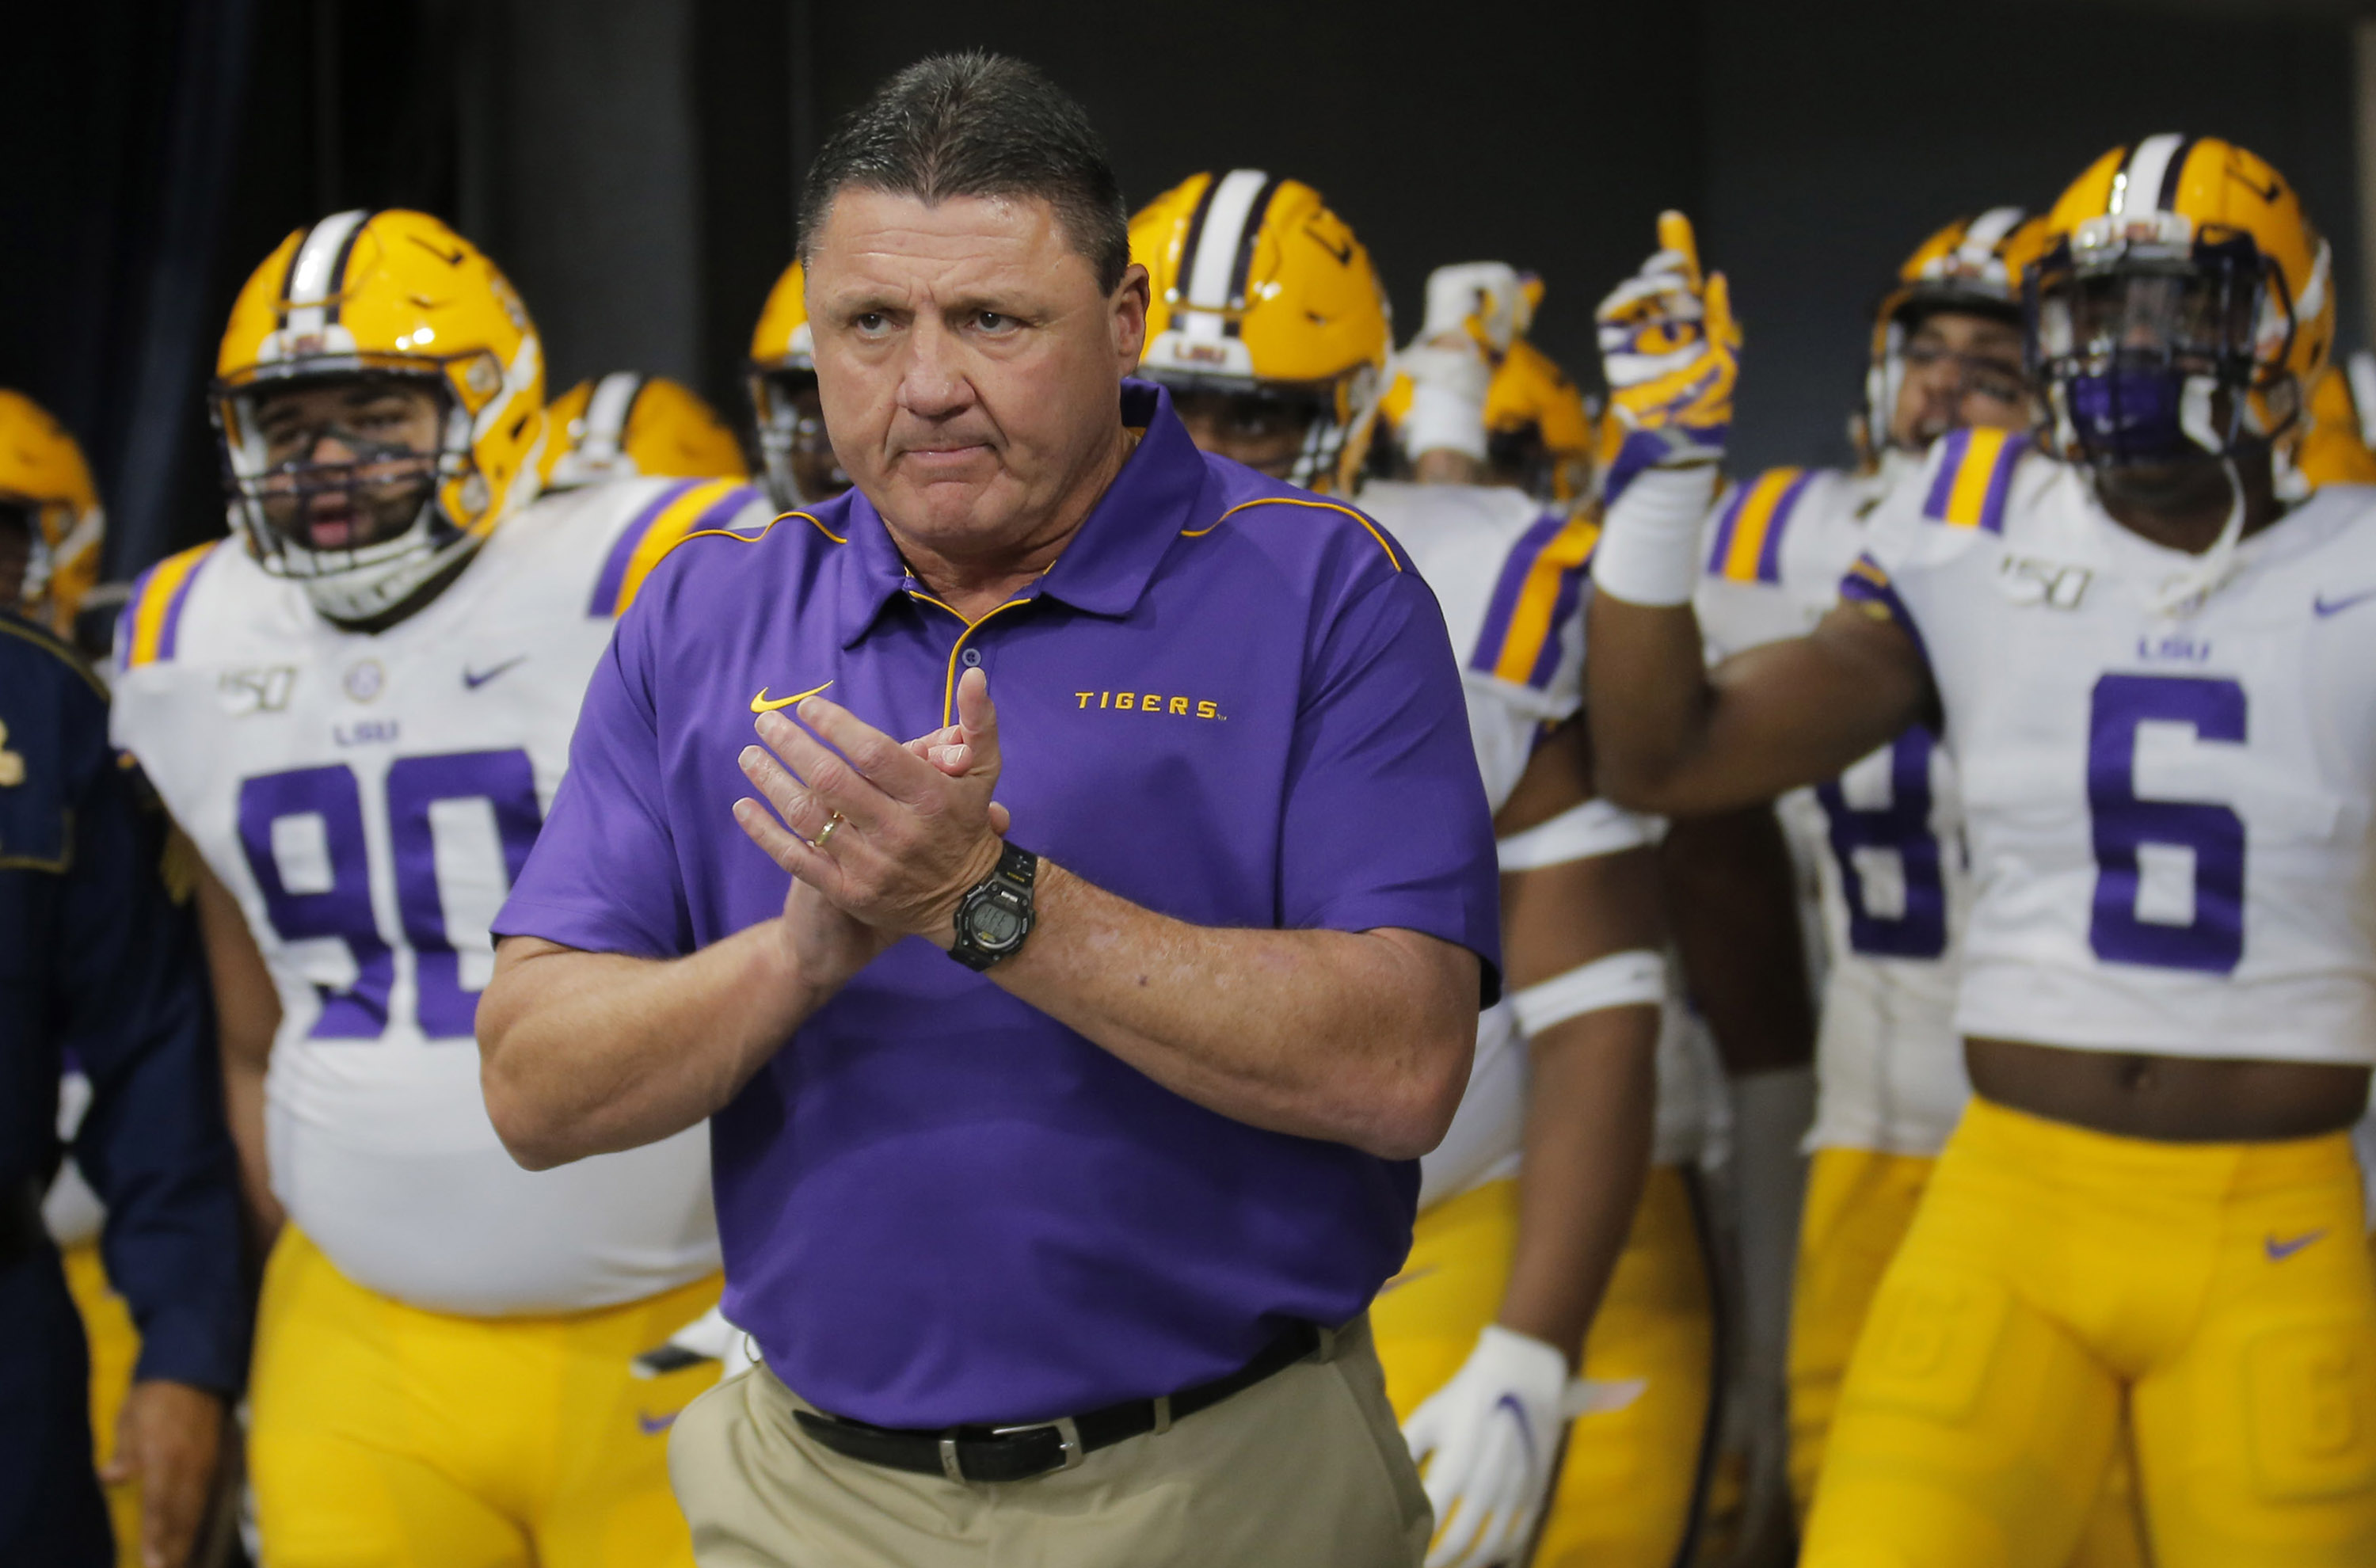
(1129,306)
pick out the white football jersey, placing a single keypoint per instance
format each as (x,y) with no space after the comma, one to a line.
(1510,578)
(1886,838)
(368,799)
(2167,792)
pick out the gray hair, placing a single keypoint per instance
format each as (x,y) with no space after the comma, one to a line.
(977,125)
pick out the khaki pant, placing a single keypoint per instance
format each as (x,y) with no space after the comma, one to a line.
(1305,1469)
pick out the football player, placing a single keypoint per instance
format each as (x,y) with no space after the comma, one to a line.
(800,466)
(2148,672)
(1884,838)
(1540,432)
(49,519)
(51,531)
(1270,328)
(358,708)
(627,425)
(1887,836)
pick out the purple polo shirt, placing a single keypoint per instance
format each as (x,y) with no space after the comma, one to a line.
(1228,702)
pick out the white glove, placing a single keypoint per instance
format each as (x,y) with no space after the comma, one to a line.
(1487,1440)
(708,1337)
(1472,318)
(1449,379)
(1489,294)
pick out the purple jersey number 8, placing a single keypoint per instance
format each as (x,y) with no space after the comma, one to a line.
(505,780)
(1902,828)
(2214,940)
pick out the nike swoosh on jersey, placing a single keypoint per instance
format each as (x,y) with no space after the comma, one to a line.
(2324,606)
(2280,1251)
(474,679)
(763,703)
(652,1426)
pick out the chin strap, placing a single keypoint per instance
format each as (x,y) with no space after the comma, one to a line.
(2184,593)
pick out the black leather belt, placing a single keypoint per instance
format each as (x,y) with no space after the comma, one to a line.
(1019,1453)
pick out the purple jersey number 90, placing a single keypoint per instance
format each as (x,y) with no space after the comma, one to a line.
(505,779)
(2213,940)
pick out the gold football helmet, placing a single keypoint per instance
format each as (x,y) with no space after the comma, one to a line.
(2187,304)
(626,424)
(382,297)
(2333,447)
(1260,290)
(1975,266)
(794,446)
(45,486)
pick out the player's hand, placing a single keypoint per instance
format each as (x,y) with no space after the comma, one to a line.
(167,1438)
(1485,1443)
(888,836)
(1479,299)
(1671,350)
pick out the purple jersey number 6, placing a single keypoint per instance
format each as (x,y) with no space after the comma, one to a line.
(505,779)
(2214,940)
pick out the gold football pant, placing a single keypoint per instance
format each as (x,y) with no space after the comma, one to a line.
(384,1435)
(115,1351)
(2220,1292)
(1859,1204)
(1628,1489)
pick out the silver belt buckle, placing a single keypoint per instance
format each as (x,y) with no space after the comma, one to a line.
(1068,1437)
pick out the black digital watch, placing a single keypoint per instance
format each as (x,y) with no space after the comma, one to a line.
(997,913)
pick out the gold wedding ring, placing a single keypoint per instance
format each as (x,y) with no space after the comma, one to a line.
(826,831)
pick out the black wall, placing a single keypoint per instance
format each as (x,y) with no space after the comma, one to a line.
(632,162)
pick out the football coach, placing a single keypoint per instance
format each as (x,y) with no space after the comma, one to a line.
(1059,867)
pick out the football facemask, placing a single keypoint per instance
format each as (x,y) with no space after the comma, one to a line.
(337,508)
(794,447)
(2150,350)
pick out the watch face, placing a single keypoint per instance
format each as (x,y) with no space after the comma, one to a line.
(994,925)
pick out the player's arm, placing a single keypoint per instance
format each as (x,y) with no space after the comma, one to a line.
(1582,944)
(1593,1088)
(1668,735)
(1732,901)
(1675,737)
(247,1015)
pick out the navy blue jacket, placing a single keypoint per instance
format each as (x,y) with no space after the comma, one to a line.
(96,959)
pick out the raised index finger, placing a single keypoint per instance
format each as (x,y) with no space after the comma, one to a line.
(1675,234)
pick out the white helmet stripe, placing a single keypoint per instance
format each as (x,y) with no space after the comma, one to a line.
(1987,231)
(1219,240)
(312,280)
(606,414)
(2138,188)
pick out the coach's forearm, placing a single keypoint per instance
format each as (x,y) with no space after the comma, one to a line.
(1359,1038)
(586,1053)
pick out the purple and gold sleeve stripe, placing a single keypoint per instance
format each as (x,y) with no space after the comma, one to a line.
(681,509)
(1868,587)
(1748,544)
(151,625)
(1537,591)
(1975,476)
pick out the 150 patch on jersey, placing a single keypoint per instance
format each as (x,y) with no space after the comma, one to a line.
(264,689)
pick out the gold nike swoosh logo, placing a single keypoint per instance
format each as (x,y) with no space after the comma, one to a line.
(765,704)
